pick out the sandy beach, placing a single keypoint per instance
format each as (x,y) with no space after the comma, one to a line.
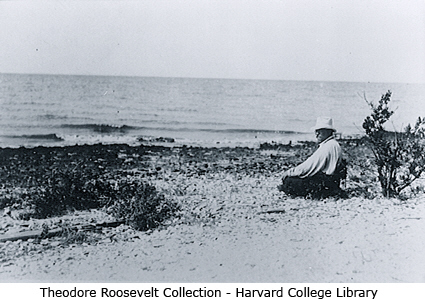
(234,225)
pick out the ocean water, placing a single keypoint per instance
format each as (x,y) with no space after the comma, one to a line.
(58,110)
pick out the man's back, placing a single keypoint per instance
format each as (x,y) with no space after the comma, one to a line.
(324,159)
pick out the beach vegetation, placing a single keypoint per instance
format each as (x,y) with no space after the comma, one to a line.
(71,235)
(135,202)
(65,191)
(399,155)
(140,205)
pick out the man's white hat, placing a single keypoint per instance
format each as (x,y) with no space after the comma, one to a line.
(324,123)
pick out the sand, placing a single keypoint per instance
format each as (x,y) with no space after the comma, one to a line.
(226,232)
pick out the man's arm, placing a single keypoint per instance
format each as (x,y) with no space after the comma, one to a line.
(314,164)
(323,160)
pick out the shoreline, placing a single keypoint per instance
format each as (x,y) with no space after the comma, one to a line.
(235,226)
(54,140)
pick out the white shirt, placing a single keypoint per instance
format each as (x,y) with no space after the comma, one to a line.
(324,159)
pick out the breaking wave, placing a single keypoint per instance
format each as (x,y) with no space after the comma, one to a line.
(50,136)
(101,128)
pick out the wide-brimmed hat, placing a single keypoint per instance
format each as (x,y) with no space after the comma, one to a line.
(324,123)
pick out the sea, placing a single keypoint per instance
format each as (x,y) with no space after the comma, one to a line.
(61,110)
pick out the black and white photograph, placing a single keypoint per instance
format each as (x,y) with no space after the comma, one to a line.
(213,141)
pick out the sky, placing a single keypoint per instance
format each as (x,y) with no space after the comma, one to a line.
(326,40)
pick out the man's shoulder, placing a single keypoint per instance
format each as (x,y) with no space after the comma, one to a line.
(331,143)
(334,141)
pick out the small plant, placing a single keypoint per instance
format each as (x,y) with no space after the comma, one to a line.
(72,235)
(399,156)
(70,190)
(140,205)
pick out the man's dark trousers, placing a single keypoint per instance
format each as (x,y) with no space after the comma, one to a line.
(317,186)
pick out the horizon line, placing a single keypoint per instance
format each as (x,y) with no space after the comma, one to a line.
(211,78)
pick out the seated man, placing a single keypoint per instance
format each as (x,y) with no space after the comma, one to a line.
(320,175)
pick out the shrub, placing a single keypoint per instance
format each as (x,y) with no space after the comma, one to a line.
(140,205)
(13,197)
(399,156)
(69,190)
(136,203)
